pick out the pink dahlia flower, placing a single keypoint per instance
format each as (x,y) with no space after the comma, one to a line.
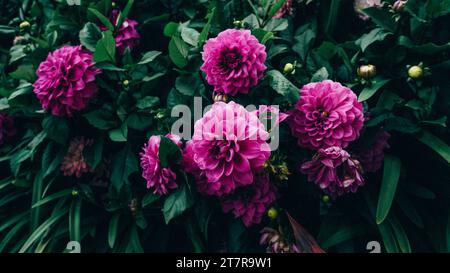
(66,80)
(276,242)
(74,163)
(327,114)
(7,129)
(359,5)
(228,146)
(233,61)
(334,171)
(158,177)
(372,158)
(285,10)
(251,202)
(126,36)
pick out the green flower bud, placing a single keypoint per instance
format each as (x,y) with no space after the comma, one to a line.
(415,72)
(367,71)
(272,213)
(288,68)
(24,24)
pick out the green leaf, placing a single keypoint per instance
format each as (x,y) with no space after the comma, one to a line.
(89,36)
(401,124)
(52,197)
(376,35)
(105,21)
(391,175)
(74,220)
(170,29)
(400,235)
(283,86)
(342,235)
(320,75)
(276,24)
(169,152)
(428,48)
(435,143)
(178,52)
(24,72)
(139,121)
(113,229)
(102,119)
(149,198)
(204,34)
(190,35)
(7,29)
(93,154)
(275,7)
(124,163)
(149,57)
(105,50)
(262,35)
(370,90)
(177,202)
(381,17)
(56,128)
(187,85)
(147,102)
(119,134)
(303,43)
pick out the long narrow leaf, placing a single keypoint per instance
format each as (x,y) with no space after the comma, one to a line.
(391,175)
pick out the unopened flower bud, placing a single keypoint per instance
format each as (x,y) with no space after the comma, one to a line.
(399,5)
(415,72)
(220,97)
(325,198)
(24,24)
(126,83)
(238,23)
(288,68)
(367,71)
(113,4)
(74,193)
(272,213)
(19,40)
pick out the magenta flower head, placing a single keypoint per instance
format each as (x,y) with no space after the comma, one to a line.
(126,36)
(157,177)
(271,115)
(73,162)
(251,202)
(228,146)
(372,158)
(276,242)
(327,114)
(285,10)
(359,5)
(7,129)
(66,80)
(233,61)
(334,171)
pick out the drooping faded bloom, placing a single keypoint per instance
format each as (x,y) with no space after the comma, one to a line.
(251,202)
(158,177)
(7,129)
(233,61)
(276,242)
(334,171)
(74,162)
(66,80)
(359,5)
(327,114)
(372,158)
(285,10)
(126,36)
(228,146)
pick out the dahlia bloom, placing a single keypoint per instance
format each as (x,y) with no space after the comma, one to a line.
(233,61)
(327,114)
(250,203)
(334,171)
(276,242)
(126,36)
(372,158)
(73,162)
(228,146)
(162,179)
(359,5)
(7,129)
(285,10)
(66,80)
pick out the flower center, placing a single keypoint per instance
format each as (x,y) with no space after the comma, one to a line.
(230,59)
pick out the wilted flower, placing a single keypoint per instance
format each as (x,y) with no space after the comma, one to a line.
(251,202)
(233,61)
(7,129)
(228,146)
(364,4)
(160,178)
(285,10)
(327,114)
(126,36)
(372,158)
(74,162)
(276,242)
(334,171)
(66,80)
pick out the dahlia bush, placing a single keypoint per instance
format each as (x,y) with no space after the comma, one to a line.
(276,126)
